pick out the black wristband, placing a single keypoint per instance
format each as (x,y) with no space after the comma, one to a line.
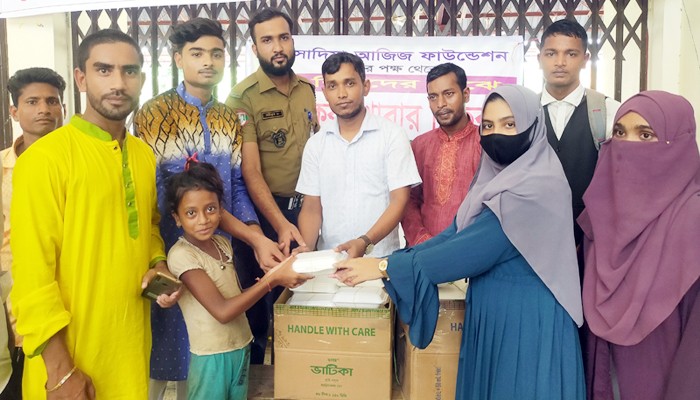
(365,239)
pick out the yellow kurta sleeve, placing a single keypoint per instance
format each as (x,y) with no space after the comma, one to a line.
(38,197)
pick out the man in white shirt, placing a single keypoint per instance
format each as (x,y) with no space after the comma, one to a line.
(356,172)
(563,54)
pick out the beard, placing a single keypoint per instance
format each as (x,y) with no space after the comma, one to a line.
(454,119)
(109,112)
(351,114)
(271,69)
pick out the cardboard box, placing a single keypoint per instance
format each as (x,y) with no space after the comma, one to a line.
(332,353)
(431,373)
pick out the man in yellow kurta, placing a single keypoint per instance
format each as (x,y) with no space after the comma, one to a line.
(85,231)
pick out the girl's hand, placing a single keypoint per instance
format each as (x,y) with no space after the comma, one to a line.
(354,271)
(284,275)
(169,300)
(163,300)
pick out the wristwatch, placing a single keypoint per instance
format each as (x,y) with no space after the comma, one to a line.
(369,246)
(383,265)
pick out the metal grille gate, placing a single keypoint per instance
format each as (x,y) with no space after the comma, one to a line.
(617,27)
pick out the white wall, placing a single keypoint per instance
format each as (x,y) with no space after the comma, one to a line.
(674,45)
(41,41)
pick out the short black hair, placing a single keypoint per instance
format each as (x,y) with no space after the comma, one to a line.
(24,77)
(569,28)
(335,61)
(446,68)
(194,29)
(102,37)
(196,176)
(264,16)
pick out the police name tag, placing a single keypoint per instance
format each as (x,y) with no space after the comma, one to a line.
(272,114)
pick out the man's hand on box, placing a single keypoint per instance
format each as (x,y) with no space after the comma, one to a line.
(355,248)
(288,234)
(301,249)
(267,253)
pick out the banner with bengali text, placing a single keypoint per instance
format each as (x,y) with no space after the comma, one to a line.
(397,69)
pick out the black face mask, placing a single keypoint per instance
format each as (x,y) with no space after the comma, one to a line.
(504,149)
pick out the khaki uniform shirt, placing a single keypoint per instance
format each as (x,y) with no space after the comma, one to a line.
(280,124)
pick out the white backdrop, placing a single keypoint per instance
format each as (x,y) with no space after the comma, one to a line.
(397,68)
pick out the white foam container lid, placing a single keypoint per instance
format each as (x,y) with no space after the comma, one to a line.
(317,261)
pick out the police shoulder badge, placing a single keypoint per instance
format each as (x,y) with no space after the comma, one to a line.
(242,117)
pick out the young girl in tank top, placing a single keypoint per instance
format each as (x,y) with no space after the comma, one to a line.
(214,305)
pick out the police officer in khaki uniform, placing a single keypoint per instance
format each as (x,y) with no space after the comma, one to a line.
(277,112)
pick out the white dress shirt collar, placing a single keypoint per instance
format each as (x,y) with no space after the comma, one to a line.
(369,123)
(574,98)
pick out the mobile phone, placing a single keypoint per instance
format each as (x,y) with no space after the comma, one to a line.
(161,284)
